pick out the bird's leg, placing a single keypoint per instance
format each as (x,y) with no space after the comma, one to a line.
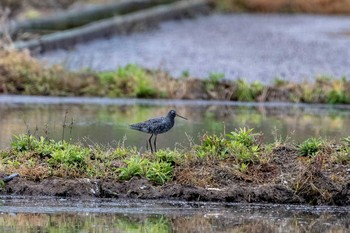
(155,143)
(150,143)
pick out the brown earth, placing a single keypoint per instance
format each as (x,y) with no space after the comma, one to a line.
(306,6)
(287,179)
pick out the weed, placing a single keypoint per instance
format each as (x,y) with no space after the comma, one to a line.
(159,172)
(246,91)
(243,145)
(23,142)
(310,146)
(216,77)
(342,156)
(338,94)
(60,152)
(213,80)
(244,136)
(185,74)
(70,155)
(243,167)
(244,154)
(212,146)
(346,140)
(135,166)
(169,156)
(130,80)
(278,82)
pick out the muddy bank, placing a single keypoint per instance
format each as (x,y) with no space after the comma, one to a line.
(287,179)
(21,74)
(139,188)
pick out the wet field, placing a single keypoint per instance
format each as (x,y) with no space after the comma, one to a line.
(255,47)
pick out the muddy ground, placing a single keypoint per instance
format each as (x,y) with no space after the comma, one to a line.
(288,179)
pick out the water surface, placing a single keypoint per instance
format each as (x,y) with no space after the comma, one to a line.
(25,214)
(105,121)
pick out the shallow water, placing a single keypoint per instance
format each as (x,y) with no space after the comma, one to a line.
(25,214)
(105,121)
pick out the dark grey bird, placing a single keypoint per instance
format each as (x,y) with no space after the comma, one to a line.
(157,126)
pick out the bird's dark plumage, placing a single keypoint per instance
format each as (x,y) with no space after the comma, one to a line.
(157,126)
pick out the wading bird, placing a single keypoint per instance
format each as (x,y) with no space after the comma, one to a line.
(155,126)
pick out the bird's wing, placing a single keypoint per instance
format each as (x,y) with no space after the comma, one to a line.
(158,125)
(149,126)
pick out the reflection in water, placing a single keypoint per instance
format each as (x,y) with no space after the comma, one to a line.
(108,124)
(139,216)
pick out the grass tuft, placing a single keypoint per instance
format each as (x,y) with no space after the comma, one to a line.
(310,147)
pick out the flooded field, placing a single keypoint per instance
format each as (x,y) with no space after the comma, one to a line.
(24,214)
(105,121)
(259,47)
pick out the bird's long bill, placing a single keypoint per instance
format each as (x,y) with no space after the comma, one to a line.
(181,116)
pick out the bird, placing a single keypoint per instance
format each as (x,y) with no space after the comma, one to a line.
(155,126)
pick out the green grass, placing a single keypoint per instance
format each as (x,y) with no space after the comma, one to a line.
(310,146)
(38,157)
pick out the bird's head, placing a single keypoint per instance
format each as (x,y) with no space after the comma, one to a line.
(172,114)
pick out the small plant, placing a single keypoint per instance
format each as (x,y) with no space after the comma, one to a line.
(278,82)
(341,156)
(213,81)
(310,146)
(135,166)
(243,154)
(242,144)
(185,74)
(338,93)
(23,142)
(216,77)
(243,136)
(346,140)
(70,155)
(169,156)
(159,172)
(246,91)
(243,167)
(130,80)
(212,145)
